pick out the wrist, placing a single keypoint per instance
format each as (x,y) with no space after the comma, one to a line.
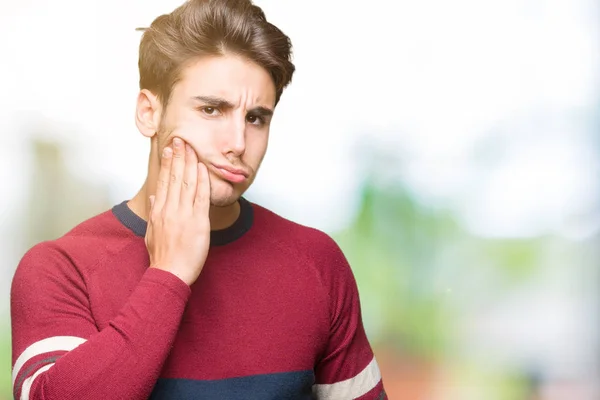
(185,277)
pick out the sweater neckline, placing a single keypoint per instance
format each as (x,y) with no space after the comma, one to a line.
(221,237)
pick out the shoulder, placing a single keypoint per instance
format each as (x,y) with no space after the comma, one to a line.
(80,248)
(293,232)
(317,246)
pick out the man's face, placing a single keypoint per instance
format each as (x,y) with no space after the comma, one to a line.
(222,107)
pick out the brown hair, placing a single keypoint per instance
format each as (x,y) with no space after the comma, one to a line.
(211,27)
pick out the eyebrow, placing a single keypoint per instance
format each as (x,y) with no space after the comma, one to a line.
(219,102)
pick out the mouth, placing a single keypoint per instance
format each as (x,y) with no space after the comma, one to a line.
(234,175)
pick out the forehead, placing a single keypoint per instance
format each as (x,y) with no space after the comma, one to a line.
(231,77)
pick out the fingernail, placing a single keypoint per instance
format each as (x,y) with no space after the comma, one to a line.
(188,148)
(177,142)
(167,152)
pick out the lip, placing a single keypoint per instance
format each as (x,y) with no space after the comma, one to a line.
(234,175)
(236,171)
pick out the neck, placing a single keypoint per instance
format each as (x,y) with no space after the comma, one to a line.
(220,217)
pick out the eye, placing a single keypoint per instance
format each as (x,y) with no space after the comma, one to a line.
(210,111)
(255,120)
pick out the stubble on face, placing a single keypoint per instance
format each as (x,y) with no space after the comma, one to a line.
(223,194)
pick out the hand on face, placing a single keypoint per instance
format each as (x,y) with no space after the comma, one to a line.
(178,233)
(229,175)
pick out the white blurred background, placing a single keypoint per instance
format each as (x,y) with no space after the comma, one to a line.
(484,113)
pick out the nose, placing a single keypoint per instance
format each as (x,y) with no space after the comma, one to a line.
(236,141)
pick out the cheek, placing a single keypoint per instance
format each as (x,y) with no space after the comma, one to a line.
(200,133)
(256,147)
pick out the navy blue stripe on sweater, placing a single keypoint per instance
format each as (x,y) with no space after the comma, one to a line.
(280,386)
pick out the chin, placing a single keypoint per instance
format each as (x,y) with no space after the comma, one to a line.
(224,194)
(219,201)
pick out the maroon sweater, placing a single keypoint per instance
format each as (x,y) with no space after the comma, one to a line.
(275,314)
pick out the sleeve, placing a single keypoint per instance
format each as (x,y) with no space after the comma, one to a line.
(348,369)
(58,352)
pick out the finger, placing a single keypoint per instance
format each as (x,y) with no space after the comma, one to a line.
(202,200)
(190,178)
(162,185)
(151,201)
(176,176)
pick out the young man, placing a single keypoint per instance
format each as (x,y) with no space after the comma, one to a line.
(189,291)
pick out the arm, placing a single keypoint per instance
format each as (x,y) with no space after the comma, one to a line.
(348,369)
(58,353)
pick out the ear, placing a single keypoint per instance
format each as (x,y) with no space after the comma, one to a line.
(147,113)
